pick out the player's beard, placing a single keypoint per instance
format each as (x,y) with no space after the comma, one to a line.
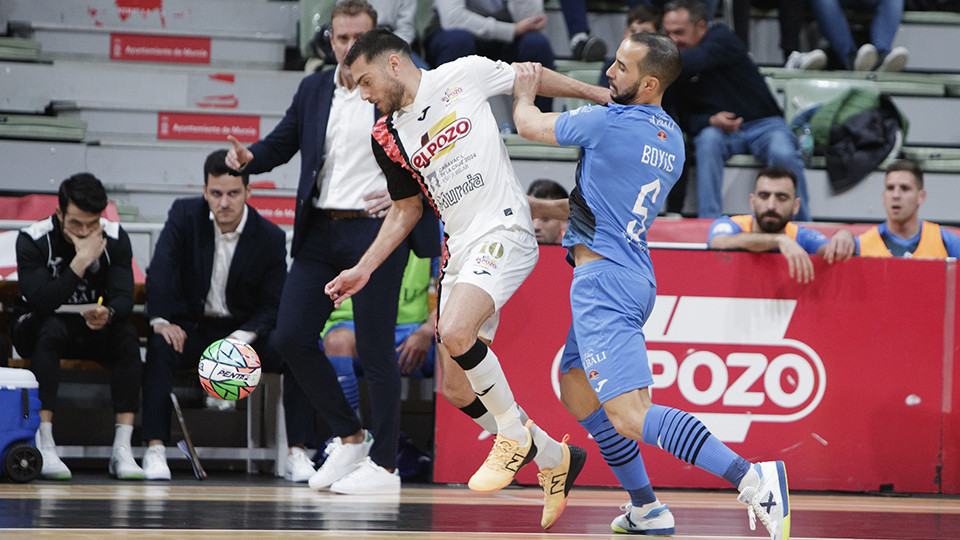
(627,96)
(774,226)
(393,98)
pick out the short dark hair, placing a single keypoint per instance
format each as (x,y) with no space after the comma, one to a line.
(352,8)
(85,191)
(376,43)
(662,59)
(910,166)
(544,188)
(642,13)
(216,165)
(776,171)
(696,8)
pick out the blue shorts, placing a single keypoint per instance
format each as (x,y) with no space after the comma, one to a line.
(609,303)
(401,333)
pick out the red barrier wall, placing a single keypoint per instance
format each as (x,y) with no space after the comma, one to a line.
(843,378)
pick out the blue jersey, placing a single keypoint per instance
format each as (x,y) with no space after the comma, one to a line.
(632,156)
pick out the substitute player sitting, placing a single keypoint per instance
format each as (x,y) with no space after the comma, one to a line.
(439,135)
(774,202)
(613,291)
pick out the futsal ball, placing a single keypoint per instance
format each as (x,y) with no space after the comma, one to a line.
(229,369)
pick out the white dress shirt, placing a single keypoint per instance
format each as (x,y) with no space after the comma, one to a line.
(349,170)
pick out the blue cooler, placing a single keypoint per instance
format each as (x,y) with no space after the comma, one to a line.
(19,421)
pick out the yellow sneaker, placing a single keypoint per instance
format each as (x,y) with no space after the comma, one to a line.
(556,482)
(502,463)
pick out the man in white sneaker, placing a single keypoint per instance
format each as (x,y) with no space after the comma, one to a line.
(217,271)
(76,285)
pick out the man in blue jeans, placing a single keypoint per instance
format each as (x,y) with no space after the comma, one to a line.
(722,101)
(879,54)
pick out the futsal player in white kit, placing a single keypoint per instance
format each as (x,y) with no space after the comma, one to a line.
(440,137)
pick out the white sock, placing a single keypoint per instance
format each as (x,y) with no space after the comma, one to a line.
(488,422)
(122,435)
(488,378)
(45,436)
(549,452)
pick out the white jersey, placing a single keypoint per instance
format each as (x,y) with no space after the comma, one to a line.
(449,140)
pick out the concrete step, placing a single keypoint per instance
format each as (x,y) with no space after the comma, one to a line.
(31,87)
(215,48)
(250,18)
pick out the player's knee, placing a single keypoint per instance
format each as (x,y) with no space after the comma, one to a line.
(340,342)
(457,338)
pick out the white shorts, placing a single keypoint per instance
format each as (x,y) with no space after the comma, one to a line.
(497,263)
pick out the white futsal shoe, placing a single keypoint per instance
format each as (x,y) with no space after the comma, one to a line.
(53,468)
(651,519)
(155,463)
(368,478)
(341,460)
(769,499)
(298,467)
(123,466)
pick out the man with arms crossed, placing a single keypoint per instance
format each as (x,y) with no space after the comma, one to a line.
(440,136)
(613,290)
(774,201)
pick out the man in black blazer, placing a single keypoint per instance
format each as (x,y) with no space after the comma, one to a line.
(336,220)
(217,271)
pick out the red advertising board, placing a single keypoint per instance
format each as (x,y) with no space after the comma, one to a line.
(279,210)
(840,378)
(156,48)
(951,384)
(207,127)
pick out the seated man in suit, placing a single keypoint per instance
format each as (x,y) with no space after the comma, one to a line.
(197,295)
(76,284)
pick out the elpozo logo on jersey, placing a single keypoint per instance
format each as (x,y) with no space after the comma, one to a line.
(727,362)
(441,138)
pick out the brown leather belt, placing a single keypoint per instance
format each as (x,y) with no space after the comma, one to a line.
(346,214)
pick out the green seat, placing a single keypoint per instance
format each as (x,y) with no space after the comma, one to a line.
(520,148)
(35,126)
(313,15)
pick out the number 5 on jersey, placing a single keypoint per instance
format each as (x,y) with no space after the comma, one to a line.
(636,228)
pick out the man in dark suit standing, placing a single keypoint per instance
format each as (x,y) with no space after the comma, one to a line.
(217,272)
(335,222)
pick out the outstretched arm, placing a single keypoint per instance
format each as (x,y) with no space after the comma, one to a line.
(553,84)
(531,123)
(558,209)
(396,226)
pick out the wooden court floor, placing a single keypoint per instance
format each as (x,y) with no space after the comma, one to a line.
(237,505)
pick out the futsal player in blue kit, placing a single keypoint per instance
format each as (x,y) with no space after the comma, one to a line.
(632,155)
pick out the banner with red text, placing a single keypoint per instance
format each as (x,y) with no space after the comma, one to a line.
(207,127)
(842,378)
(156,48)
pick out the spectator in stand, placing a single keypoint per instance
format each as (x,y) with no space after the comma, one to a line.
(76,286)
(329,125)
(399,16)
(196,295)
(879,54)
(549,231)
(589,48)
(903,234)
(496,29)
(790,14)
(774,200)
(723,102)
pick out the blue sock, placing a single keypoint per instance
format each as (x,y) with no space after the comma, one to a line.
(623,457)
(343,366)
(688,439)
